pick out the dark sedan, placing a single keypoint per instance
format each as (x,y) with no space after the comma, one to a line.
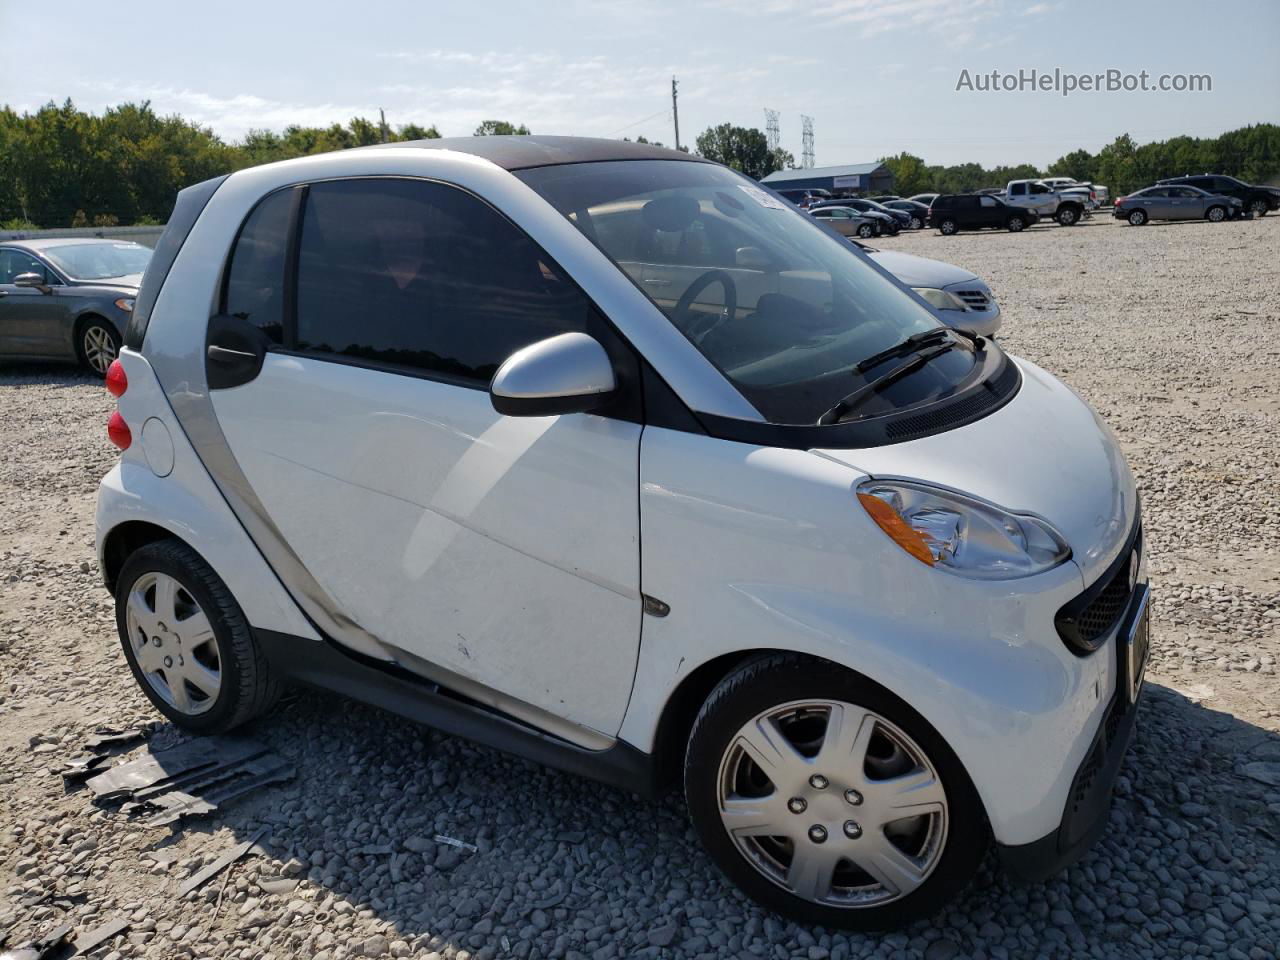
(918,212)
(68,299)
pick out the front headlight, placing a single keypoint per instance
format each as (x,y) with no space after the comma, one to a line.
(940,299)
(125,304)
(962,534)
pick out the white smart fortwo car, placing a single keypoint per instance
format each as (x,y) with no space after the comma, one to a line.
(606,456)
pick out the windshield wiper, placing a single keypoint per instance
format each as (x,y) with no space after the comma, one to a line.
(849,403)
(913,343)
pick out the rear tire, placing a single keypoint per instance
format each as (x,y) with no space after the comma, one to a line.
(916,223)
(1067,216)
(1137,218)
(948,227)
(187,641)
(1216,214)
(97,344)
(842,856)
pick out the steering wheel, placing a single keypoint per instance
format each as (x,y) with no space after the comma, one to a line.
(684,305)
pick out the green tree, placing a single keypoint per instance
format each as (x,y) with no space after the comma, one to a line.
(1078,164)
(745,149)
(910,175)
(412,131)
(500,128)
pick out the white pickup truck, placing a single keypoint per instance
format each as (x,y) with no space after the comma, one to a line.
(1044,201)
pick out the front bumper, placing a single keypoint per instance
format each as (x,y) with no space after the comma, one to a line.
(1084,819)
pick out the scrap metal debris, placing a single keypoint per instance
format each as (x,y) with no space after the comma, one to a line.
(100,935)
(190,779)
(198,880)
(451,841)
(99,750)
(49,946)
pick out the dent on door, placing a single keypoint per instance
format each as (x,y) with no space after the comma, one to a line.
(500,550)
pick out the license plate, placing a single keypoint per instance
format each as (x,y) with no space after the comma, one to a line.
(1138,646)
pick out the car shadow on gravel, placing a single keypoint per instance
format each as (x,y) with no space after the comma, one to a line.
(554,865)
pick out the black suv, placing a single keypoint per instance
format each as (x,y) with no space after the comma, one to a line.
(970,211)
(1256,200)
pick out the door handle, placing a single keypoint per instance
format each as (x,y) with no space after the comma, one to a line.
(235,352)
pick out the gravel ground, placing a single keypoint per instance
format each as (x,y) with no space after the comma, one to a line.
(1169,330)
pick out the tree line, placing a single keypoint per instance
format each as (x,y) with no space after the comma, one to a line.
(61,166)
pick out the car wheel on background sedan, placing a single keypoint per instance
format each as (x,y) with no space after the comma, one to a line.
(97,344)
(916,223)
(947,227)
(866,231)
(828,799)
(1138,217)
(1216,214)
(1258,208)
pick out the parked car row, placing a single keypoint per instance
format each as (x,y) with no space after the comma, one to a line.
(1212,197)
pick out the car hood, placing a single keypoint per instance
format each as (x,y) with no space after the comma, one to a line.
(920,271)
(1044,452)
(130,281)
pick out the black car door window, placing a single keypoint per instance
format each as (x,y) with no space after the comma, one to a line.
(426,277)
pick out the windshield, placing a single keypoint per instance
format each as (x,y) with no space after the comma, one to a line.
(780,304)
(99,261)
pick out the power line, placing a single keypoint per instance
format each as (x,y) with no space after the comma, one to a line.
(661,113)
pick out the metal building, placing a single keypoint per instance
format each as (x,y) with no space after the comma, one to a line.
(860,178)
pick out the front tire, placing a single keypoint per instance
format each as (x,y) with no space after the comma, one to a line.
(1015,224)
(97,344)
(829,800)
(187,641)
(1215,214)
(866,231)
(1068,216)
(948,227)
(1259,208)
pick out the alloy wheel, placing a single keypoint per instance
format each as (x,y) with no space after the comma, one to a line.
(1216,214)
(99,348)
(833,803)
(1258,208)
(173,643)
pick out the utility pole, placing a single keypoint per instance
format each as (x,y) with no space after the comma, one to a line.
(382,123)
(675,112)
(806,141)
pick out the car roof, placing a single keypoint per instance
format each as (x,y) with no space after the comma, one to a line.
(526,152)
(36,244)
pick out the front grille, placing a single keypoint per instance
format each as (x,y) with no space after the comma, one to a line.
(974,299)
(1085,621)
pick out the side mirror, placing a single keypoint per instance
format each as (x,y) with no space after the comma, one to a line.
(751,258)
(569,373)
(31,280)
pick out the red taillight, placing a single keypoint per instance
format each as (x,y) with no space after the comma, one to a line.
(1120,200)
(118,431)
(117,382)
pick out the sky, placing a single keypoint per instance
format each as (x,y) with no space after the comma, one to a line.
(877,76)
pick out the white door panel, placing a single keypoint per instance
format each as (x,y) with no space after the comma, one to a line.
(503,549)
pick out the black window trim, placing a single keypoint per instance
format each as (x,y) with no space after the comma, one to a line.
(628,407)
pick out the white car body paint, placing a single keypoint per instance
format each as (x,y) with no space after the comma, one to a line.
(188,504)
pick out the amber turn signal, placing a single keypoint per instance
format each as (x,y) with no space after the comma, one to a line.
(887,519)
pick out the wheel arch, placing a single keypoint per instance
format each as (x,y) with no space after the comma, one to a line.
(126,538)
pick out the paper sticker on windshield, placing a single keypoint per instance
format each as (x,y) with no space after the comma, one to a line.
(762,198)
